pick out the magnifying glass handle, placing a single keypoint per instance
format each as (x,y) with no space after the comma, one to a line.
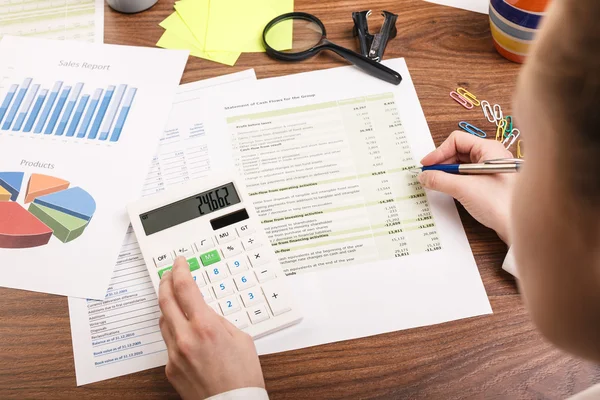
(366,64)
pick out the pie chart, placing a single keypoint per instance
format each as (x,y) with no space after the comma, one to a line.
(49,207)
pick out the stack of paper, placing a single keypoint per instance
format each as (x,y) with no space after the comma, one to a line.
(220,30)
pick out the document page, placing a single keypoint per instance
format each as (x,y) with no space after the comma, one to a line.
(325,157)
(120,335)
(81,20)
(79,123)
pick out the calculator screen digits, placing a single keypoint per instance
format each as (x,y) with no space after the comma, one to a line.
(189,208)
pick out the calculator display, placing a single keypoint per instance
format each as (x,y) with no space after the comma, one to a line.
(190,208)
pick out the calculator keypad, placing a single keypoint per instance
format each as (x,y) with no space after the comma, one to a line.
(233,272)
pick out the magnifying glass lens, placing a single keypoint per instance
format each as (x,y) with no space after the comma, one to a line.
(293,35)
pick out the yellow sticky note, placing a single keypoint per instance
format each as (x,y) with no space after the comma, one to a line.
(194,14)
(178,36)
(237,25)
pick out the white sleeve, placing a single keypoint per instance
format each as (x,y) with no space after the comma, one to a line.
(509,264)
(251,393)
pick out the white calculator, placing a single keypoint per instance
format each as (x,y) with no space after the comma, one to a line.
(212,223)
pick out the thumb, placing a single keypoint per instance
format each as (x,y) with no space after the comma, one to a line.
(442,182)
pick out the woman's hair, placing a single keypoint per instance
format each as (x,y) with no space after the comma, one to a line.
(568,61)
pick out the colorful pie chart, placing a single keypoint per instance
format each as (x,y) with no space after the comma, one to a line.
(55,209)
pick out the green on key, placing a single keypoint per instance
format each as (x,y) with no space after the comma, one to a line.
(192,262)
(210,258)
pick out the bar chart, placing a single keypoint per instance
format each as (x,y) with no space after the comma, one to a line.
(67,110)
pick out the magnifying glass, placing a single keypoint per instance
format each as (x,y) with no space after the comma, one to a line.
(297,36)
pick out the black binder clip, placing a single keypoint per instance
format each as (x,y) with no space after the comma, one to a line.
(373,46)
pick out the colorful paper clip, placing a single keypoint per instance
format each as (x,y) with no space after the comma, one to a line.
(498,115)
(519,151)
(461,100)
(488,111)
(515,135)
(500,130)
(509,124)
(471,98)
(472,129)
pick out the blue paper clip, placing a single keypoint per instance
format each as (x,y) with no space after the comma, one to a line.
(472,129)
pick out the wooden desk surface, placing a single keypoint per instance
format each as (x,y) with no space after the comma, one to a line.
(496,356)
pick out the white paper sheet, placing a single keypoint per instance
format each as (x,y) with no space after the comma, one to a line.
(324,155)
(120,335)
(480,6)
(91,115)
(81,20)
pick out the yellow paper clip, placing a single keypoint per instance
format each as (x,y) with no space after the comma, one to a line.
(500,130)
(519,151)
(471,98)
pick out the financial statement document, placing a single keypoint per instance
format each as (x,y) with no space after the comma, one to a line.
(325,157)
(120,335)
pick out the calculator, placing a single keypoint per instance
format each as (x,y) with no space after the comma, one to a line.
(213,224)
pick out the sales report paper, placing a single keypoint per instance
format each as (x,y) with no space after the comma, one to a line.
(325,156)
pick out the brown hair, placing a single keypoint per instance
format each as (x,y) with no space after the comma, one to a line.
(568,61)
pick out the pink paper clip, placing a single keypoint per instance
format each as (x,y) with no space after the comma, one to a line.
(461,100)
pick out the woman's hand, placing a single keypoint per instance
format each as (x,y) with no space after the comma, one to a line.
(207,354)
(486,197)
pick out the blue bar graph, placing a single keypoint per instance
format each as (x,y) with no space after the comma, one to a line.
(6,103)
(78,114)
(36,110)
(67,110)
(59,106)
(101,112)
(123,115)
(47,107)
(112,111)
(25,107)
(90,113)
(15,106)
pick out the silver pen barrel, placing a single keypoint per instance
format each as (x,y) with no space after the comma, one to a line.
(486,169)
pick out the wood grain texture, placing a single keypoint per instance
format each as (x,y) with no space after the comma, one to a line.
(500,356)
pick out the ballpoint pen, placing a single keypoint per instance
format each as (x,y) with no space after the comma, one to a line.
(499,166)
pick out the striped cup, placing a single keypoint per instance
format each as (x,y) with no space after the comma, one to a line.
(513,24)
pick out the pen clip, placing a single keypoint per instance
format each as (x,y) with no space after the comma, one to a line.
(505,161)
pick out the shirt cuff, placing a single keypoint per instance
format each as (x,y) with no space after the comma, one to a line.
(509,264)
(251,393)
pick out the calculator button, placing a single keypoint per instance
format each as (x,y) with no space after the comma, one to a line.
(162,271)
(231,249)
(193,263)
(265,274)
(210,258)
(204,244)
(250,242)
(199,278)
(240,320)
(245,281)
(185,251)
(275,293)
(224,289)
(226,236)
(237,265)
(230,305)
(216,273)
(244,230)
(206,293)
(215,306)
(258,314)
(258,257)
(163,259)
(251,296)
